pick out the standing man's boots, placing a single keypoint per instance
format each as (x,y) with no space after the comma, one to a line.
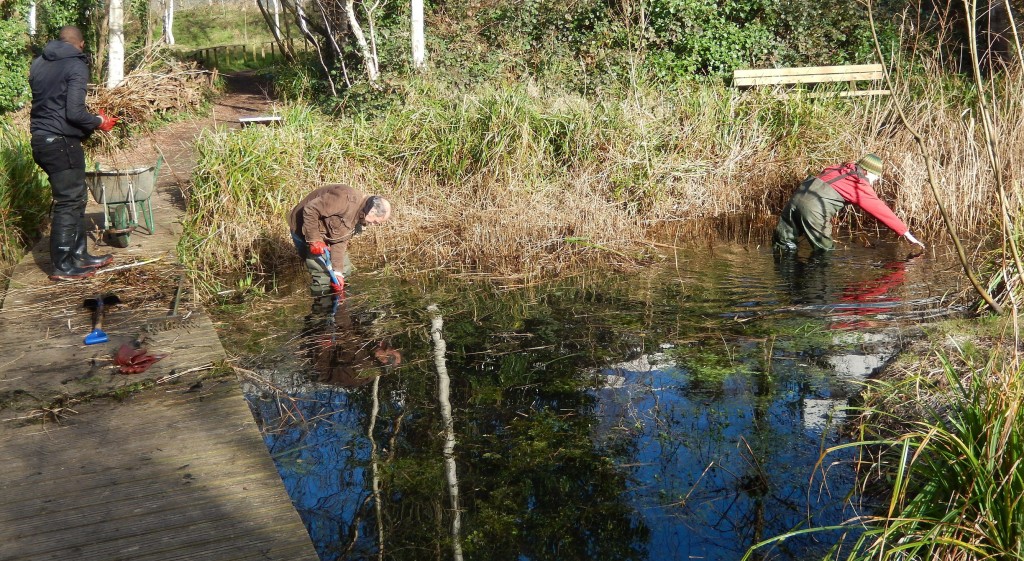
(81,257)
(62,241)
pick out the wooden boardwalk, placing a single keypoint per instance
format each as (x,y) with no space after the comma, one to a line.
(98,465)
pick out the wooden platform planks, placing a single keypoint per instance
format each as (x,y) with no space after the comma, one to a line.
(168,475)
(176,472)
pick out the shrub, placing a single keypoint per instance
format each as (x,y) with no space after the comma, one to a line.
(14,63)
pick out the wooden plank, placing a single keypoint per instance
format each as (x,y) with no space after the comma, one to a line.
(826,94)
(164,476)
(806,70)
(807,75)
(807,79)
(850,93)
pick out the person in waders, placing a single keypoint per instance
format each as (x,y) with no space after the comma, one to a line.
(58,122)
(323,223)
(815,203)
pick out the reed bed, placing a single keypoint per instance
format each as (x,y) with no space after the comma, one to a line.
(24,195)
(520,181)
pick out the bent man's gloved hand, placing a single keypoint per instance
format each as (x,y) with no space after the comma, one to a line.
(339,287)
(910,238)
(108,122)
(317,248)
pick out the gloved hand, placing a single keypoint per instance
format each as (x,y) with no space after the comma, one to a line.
(108,122)
(317,248)
(338,288)
(910,238)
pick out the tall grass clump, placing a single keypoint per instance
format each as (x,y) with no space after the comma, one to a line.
(24,195)
(953,471)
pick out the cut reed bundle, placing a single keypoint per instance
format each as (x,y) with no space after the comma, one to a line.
(159,85)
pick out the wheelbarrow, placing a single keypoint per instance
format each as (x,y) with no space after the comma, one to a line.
(125,195)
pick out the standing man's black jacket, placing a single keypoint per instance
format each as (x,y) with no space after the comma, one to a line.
(59,79)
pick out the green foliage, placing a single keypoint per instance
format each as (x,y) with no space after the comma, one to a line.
(24,194)
(678,38)
(57,13)
(224,24)
(14,62)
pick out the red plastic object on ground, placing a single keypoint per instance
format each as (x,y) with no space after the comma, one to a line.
(132,360)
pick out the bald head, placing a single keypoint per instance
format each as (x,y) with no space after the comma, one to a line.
(72,36)
(379,211)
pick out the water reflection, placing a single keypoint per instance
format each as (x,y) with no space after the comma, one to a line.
(672,415)
(339,355)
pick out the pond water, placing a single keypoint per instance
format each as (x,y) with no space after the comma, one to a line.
(676,413)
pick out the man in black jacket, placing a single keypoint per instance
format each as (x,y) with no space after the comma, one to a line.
(59,122)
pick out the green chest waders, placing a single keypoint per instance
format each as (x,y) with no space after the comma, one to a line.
(809,212)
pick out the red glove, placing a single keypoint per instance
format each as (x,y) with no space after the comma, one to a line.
(108,122)
(317,248)
(340,287)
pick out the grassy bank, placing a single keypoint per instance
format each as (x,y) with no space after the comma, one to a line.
(525,180)
(942,438)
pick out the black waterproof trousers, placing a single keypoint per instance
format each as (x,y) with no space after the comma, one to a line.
(63,160)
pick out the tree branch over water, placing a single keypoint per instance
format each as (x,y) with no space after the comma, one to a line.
(930,164)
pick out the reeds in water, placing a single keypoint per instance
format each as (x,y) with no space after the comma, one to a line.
(521,180)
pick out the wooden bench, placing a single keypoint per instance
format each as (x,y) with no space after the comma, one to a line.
(850,74)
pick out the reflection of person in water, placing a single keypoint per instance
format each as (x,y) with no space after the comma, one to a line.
(339,355)
(808,280)
(861,295)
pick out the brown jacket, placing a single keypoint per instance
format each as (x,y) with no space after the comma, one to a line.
(330,214)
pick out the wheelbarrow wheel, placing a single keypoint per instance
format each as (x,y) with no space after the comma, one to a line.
(119,235)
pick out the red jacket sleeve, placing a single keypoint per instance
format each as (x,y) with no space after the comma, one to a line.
(857,191)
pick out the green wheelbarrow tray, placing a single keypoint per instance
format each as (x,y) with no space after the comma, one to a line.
(124,194)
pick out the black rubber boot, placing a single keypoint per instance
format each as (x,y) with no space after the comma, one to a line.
(81,256)
(62,240)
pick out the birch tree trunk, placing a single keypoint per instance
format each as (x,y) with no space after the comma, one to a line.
(32,19)
(372,71)
(115,61)
(169,21)
(276,7)
(419,54)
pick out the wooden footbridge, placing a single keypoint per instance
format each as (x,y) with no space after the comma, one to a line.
(159,465)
